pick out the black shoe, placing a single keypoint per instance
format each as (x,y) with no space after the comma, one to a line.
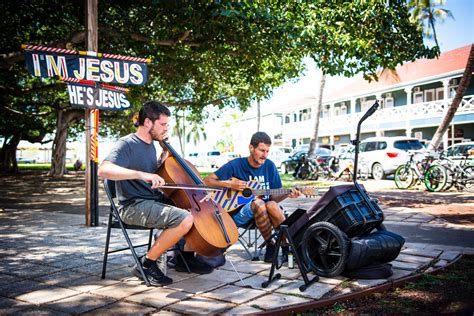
(194,265)
(154,275)
(270,250)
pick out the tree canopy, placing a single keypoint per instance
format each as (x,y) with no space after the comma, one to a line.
(221,53)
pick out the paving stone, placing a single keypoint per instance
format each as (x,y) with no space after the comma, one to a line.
(123,308)
(87,284)
(224,276)
(234,294)
(449,255)
(200,305)
(243,310)
(414,259)
(21,287)
(195,285)
(246,267)
(165,312)
(12,307)
(275,300)
(420,250)
(46,295)
(315,290)
(256,281)
(423,217)
(179,276)
(406,265)
(398,274)
(40,310)
(80,303)
(335,280)
(360,283)
(441,263)
(285,273)
(158,297)
(121,289)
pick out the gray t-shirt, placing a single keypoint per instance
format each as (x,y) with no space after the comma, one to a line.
(133,153)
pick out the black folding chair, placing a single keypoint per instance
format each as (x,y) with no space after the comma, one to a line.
(250,241)
(116,222)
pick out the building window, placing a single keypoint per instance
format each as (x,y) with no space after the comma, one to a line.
(440,94)
(287,119)
(429,95)
(418,97)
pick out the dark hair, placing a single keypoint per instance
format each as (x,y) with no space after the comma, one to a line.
(152,110)
(260,137)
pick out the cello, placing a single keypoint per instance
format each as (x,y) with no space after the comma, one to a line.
(213,230)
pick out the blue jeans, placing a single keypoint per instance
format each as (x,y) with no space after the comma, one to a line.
(244,216)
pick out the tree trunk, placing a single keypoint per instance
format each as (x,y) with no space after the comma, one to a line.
(258,115)
(8,154)
(319,105)
(58,161)
(460,91)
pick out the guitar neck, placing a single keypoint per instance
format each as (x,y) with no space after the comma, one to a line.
(271,192)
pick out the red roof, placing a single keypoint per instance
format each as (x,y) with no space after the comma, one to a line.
(454,60)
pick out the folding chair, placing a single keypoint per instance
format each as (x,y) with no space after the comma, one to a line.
(250,242)
(116,222)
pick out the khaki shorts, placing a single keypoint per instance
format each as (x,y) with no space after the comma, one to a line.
(152,214)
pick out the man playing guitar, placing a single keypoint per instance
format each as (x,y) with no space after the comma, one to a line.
(238,172)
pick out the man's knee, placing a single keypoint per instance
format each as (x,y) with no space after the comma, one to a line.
(186,224)
(258,207)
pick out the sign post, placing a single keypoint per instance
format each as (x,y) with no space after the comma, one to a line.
(92,122)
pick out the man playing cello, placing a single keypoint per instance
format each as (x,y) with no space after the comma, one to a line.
(133,164)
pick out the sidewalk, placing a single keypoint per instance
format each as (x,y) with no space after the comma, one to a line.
(51,264)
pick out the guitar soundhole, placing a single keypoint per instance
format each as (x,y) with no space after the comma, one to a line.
(247,192)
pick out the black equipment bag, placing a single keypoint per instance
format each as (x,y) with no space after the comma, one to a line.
(376,248)
(370,272)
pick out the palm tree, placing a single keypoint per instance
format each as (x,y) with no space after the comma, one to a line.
(196,133)
(319,104)
(428,13)
(460,91)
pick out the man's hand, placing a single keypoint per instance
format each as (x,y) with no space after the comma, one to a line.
(236,184)
(294,193)
(155,180)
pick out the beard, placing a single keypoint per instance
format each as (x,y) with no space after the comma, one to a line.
(154,135)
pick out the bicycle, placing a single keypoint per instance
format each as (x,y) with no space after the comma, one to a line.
(448,173)
(413,171)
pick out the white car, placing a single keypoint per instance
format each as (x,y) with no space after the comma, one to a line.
(381,156)
(225,157)
(277,156)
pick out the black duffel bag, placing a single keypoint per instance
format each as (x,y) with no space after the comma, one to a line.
(376,248)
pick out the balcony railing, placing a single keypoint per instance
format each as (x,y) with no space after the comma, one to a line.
(415,111)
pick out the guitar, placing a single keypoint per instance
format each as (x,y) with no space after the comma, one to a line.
(230,199)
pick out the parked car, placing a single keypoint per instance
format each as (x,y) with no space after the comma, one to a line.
(213,157)
(457,152)
(290,164)
(197,159)
(380,156)
(25,160)
(225,157)
(277,156)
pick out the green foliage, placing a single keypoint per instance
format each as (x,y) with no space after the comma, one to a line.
(220,53)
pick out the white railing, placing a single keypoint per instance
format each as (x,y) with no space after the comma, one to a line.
(399,113)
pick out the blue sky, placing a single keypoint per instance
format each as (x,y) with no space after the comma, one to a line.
(452,33)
